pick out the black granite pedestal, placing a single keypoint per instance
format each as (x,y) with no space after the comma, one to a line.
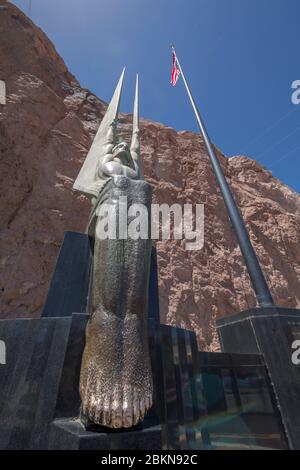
(270,332)
(71,435)
(32,346)
(201,400)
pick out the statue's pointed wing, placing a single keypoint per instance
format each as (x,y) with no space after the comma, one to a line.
(87,175)
(135,141)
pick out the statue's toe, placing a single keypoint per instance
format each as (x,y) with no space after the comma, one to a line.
(118,410)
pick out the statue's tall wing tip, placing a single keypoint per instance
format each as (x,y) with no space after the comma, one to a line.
(135,141)
(136,87)
(86,176)
(135,119)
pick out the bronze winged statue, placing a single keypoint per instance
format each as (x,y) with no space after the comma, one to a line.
(116,379)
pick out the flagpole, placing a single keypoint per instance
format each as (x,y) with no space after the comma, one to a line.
(258,280)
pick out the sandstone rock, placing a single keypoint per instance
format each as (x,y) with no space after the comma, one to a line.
(46,129)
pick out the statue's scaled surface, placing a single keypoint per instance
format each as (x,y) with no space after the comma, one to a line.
(116,378)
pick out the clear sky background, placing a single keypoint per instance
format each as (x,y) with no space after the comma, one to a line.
(241,57)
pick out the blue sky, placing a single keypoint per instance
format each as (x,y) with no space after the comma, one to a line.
(241,57)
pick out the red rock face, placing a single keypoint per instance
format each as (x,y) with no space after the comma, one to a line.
(46,129)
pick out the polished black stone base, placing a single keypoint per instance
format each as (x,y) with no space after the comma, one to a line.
(71,435)
(40,378)
(270,332)
(202,400)
(199,398)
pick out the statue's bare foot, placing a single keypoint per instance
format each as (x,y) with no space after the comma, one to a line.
(116,379)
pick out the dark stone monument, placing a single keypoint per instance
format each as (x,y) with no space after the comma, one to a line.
(201,400)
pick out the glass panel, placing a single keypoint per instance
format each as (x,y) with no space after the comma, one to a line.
(253,390)
(232,397)
(240,412)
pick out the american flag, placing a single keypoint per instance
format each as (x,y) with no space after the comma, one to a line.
(175,70)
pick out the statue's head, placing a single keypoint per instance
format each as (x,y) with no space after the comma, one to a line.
(121,153)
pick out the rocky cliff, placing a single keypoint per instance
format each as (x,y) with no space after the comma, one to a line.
(46,129)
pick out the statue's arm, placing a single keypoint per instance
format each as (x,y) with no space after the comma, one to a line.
(111,168)
(106,149)
(108,144)
(135,152)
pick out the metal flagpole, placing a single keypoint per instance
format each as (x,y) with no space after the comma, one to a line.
(258,280)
